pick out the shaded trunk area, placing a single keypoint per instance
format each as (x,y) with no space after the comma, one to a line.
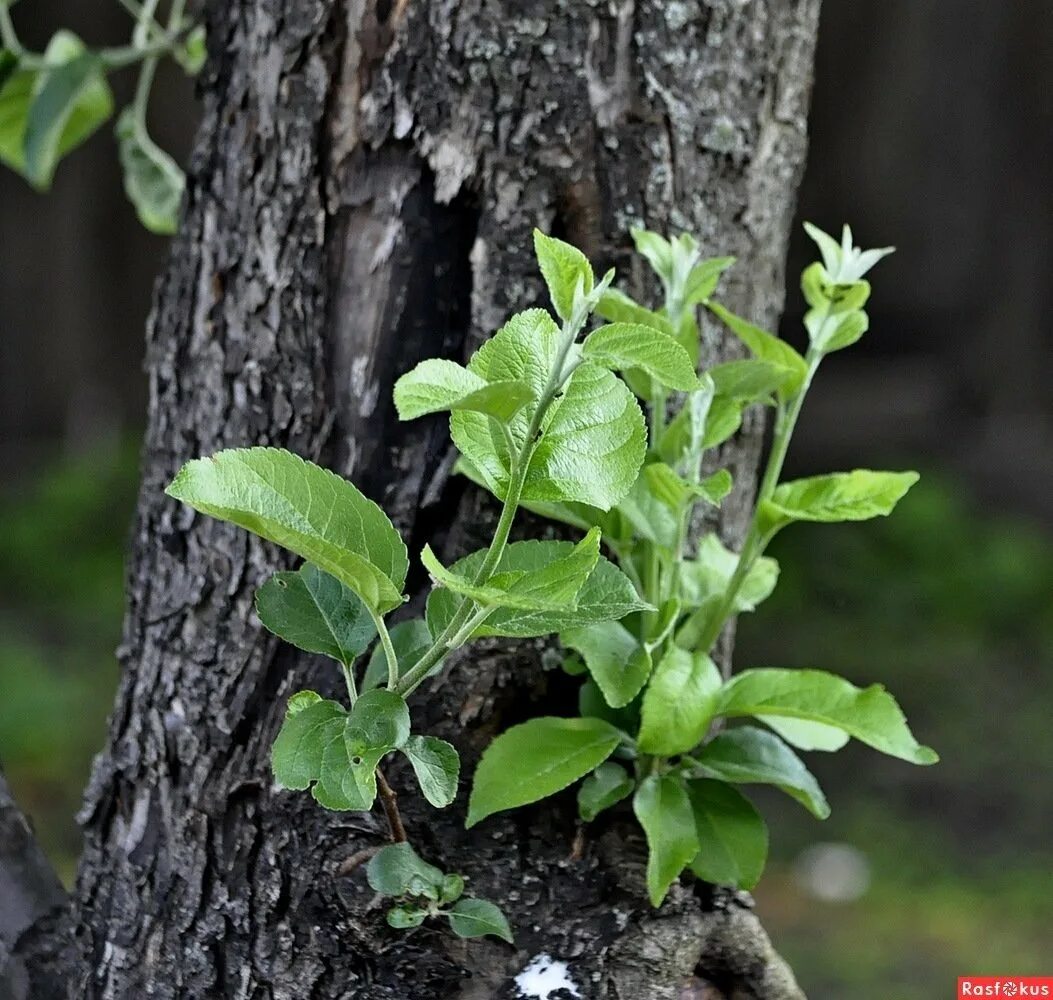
(361,196)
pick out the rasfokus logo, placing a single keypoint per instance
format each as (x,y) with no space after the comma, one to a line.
(1014,987)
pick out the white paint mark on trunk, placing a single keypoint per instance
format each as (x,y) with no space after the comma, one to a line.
(545,976)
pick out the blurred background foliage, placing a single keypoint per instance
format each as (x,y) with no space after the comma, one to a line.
(932,129)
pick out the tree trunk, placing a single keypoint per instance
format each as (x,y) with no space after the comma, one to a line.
(361,196)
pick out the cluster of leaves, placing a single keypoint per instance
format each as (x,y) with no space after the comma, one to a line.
(423,891)
(52,101)
(544,422)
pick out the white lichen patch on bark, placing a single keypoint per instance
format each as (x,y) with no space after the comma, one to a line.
(543,977)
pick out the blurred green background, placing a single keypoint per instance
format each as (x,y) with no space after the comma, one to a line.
(931,129)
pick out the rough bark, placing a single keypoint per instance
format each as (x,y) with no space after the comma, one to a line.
(361,196)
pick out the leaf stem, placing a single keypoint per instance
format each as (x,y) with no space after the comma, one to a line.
(389,648)
(455,633)
(702,630)
(8,35)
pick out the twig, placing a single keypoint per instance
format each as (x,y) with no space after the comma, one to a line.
(356,860)
(390,801)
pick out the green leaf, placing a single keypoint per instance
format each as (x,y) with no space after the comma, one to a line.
(766,347)
(525,350)
(554,586)
(748,755)
(702,281)
(732,837)
(16,94)
(839,496)
(406,917)
(471,918)
(704,580)
(617,307)
(870,714)
(71,99)
(410,639)
(750,381)
(320,743)
(397,870)
(531,761)
(649,517)
(605,787)
(616,660)
(437,766)
(720,418)
(806,735)
(844,263)
(664,811)
(306,509)
(679,703)
(624,346)
(593,705)
(436,385)
(674,491)
(606,595)
(192,53)
(153,181)
(452,888)
(845,332)
(316,612)
(592,445)
(296,757)
(381,719)
(656,250)
(301,700)
(564,269)
(828,298)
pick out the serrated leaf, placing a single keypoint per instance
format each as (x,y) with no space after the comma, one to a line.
(531,761)
(606,595)
(618,663)
(766,347)
(592,704)
(347,780)
(524,350)
(397,869)
(750,381)
(437,767)
(316,612)
(564,269)
(409,639)
(592,445)
(554,586)
(664,811)
(437,384)
(605,787)
(306,509)
(870,714)
(732,837)
(748,755)
(471,918)
(624,346)
(153,181)
(840,496)
(806,735)
(679,703)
